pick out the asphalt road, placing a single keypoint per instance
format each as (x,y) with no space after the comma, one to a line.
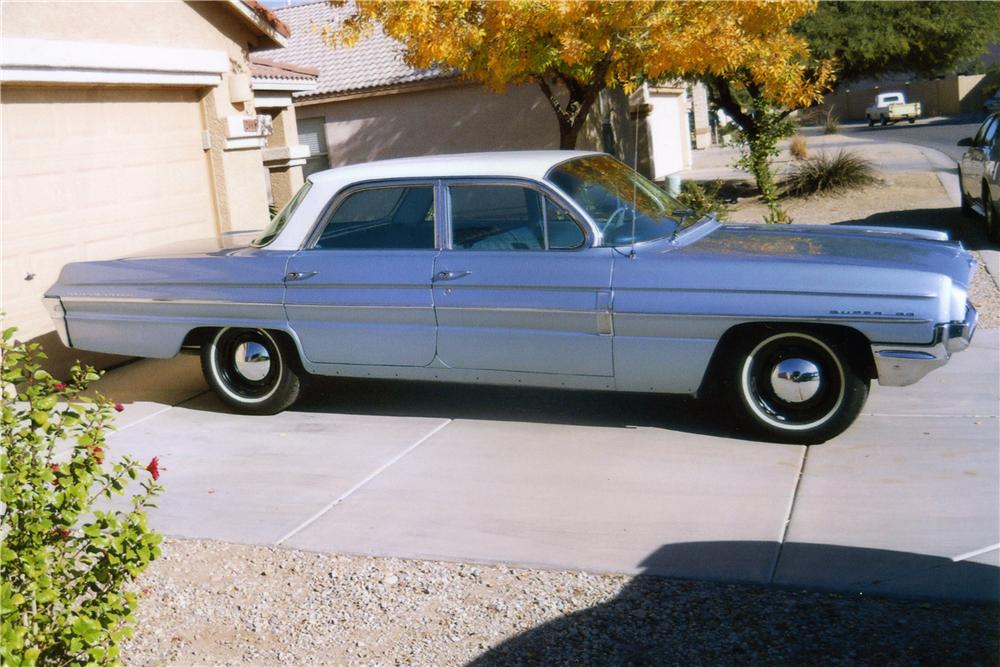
(942,134)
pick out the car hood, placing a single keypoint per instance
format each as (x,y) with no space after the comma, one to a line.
(842,245)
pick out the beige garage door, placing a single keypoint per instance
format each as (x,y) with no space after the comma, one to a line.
(95,174)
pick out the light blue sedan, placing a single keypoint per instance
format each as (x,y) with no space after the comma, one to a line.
(550,268)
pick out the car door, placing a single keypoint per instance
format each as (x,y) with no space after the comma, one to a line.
(974,162)
(519,287)
(360,292)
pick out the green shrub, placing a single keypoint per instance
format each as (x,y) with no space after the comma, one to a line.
(704,199)
(844,171)
(66,557)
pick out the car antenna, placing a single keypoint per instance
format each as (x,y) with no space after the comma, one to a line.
(635,184)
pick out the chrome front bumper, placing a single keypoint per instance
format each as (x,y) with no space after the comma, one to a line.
(55,309)
(901,365)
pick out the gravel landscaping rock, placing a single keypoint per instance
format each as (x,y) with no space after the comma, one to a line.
(214,603)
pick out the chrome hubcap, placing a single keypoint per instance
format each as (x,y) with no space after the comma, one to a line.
(795,380)
(252,361)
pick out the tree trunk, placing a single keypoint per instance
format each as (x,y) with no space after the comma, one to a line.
(568,135)
(573,116)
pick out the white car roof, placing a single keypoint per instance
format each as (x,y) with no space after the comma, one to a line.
(523,164)
(502,164)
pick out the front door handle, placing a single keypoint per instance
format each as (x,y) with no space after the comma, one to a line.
(452,275)
(299,275)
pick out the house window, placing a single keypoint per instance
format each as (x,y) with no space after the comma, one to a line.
(313,135)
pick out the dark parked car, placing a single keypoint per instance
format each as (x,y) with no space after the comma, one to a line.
(979,175)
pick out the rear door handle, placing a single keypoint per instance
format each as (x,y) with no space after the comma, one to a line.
(299,275)
(452,275)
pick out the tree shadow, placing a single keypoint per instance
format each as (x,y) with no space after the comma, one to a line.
(970,230)
(659,621)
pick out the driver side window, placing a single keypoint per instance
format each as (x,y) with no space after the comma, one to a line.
(509,217)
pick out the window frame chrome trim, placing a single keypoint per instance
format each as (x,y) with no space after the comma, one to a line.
(316,231)
(592,238)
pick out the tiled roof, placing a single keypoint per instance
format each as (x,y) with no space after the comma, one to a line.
(262,68)
(374,62)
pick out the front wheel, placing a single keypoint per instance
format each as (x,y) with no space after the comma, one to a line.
(990,213)
(871,122)
(884,120)
(966,202)
(249,371)
(797,387)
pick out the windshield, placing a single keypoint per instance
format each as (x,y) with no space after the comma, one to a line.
(279,221)
(627,207)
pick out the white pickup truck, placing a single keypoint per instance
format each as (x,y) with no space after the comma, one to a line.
(892,108)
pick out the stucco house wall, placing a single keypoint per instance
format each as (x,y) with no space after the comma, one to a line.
(115,135)
(456,117)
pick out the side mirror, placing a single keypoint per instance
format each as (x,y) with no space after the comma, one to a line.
(966,142)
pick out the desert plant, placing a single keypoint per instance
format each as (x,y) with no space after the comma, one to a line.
(66,556)
(831,123)
(758,149)
(704,199)
(843,171)
(799,148)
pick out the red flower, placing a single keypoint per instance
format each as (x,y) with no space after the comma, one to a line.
(119,407)
(154,468)
(64,533)
(59,386)
(98,454)
(55,469)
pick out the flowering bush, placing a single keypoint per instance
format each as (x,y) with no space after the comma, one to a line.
(66,554)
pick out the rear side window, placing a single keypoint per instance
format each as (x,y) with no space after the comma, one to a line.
(509,217)
(382,218)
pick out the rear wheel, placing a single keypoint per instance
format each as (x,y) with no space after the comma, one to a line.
(871,122)
(795,386)
(912,120)
(884,120)
(249,371)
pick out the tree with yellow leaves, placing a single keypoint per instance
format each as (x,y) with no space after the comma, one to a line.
(573,50)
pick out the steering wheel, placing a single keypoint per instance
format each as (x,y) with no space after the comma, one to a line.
(614,218)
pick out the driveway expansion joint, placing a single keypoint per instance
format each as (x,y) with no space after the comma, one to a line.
(788,514)
(344,496)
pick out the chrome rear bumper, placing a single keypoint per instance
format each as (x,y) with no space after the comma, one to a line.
(901,365)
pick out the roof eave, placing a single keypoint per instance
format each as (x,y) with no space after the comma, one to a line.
(255,20)
(379,91)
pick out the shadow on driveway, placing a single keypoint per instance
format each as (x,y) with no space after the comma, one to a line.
(403,398)
(659,621)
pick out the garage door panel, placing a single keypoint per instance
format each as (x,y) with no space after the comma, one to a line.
(95,174)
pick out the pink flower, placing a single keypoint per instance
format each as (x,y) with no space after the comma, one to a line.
(119,407)
(154,468)
(59,386)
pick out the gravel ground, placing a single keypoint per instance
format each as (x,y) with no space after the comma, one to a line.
(214,603)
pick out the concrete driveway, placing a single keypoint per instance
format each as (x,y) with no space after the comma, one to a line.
(907,501)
